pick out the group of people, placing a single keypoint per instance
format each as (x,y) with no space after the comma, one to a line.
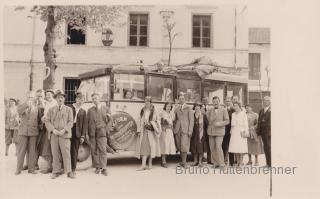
(44,126)
(225,132)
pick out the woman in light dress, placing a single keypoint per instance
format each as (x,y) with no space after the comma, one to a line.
(239,133)
(148,141)
(167,144)
(45,147)
(255,146)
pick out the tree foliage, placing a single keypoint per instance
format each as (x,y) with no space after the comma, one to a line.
(81,17)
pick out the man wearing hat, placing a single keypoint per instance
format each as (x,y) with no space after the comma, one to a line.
(264,128)
(99,124)
(79,129)
(59,123)
(11,124)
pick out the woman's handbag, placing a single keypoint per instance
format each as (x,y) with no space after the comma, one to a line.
(244,134)
(149,127)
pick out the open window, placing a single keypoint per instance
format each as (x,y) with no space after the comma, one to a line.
(75,35)
(190,88)
(160,88)
(128,87)
(98,84)
(212,89)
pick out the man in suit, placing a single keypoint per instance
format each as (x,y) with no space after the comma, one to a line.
(226,138)
(183,128)
(28,132)
(264,128)
(205,109)
(218,118)
(79,129)
(59,122)
(99,125)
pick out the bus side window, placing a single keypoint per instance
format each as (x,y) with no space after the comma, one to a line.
(129,87)
(98,84)
(236,90)
(212,89)
(191,89)
(160,88)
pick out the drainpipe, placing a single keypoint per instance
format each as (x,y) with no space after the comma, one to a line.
(32,53)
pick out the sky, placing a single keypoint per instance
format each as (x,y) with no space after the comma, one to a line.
(260,13)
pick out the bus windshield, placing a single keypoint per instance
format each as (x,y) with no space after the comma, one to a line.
(98,84)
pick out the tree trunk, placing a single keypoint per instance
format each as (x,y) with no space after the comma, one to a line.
(49,51)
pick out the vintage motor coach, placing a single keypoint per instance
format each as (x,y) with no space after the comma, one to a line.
(123,89)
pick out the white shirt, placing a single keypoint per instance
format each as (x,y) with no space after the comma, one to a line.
(266,108)
(49,105)
(182,106)
(77,111)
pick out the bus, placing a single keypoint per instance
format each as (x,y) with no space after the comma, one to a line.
(124,87)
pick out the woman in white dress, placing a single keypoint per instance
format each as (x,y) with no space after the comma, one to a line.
(167,145)
(239,133)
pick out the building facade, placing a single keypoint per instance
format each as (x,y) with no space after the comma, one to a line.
(259,65)
(217,32)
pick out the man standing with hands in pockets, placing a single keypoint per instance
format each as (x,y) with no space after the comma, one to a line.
(183,128)
(218,118)
(99,124)
(59,123)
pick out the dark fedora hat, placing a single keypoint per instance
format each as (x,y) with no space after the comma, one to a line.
(197,104)
(12,99)
(59,93)
(79,95)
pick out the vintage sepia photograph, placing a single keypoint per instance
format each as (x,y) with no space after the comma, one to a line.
(137,101)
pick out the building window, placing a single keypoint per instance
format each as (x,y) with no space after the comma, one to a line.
(71,86)
(254,66)
(75,35)
(201,31)
(138,30)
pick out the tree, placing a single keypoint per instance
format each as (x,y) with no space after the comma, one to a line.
(83,17)
(169,25)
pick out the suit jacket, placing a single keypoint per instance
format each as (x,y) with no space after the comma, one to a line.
(59,120)
(264,122)
(30,121)
(184,120)
(98,119)
(220,116)
(228,126)
(81,122)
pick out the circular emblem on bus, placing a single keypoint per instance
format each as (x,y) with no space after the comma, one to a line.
(123,136)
